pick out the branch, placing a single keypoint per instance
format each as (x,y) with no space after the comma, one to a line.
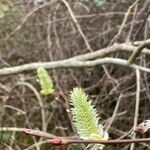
(127,14)
(28,131)
(126,141)
(114,113)
(31,87)
(81,61)
(137,102)
(108,50)
(70,63)
(24,20)
(77,24)
(137,51)
(56,140)
(125,19)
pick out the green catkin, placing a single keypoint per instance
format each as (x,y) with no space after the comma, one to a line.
(86,118)
(45,81)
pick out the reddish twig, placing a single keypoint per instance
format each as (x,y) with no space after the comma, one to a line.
(58,140)
(126,141)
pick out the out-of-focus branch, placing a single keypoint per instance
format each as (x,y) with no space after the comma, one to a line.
(127,14)
(28,131)
(114,113)
(77,24)
(24,20)
(125,19)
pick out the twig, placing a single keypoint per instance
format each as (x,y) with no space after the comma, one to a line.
(77,24)
(136,104)
(127,14)
(144,44)
(126,141)
(126,17)
(114,113)
(28,131)
(72,139)
(80,61)
(105,51)
(24,20)
(19,111)
(39,101)
(142,24)
(35,144)
(132,25)
(5,88)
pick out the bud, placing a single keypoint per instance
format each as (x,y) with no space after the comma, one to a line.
(56,141)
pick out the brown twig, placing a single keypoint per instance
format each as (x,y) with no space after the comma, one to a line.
(70,139)
(114,113)
(77,25)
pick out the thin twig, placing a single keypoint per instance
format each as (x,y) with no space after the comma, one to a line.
(71,139)
(125,19)
(35,144)
(24,20)
(114,113)
(77,24)
(39,101)
(132,25)
(144,44)
(19,111)
(136,104)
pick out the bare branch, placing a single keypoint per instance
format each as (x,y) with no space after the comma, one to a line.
(144,44)
(81,61)
(136,114)
(24,20)
(70,139)
(70,63)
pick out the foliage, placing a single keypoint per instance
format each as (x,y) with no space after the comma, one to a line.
(45,81)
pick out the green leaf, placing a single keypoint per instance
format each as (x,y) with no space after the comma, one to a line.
(45,81)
